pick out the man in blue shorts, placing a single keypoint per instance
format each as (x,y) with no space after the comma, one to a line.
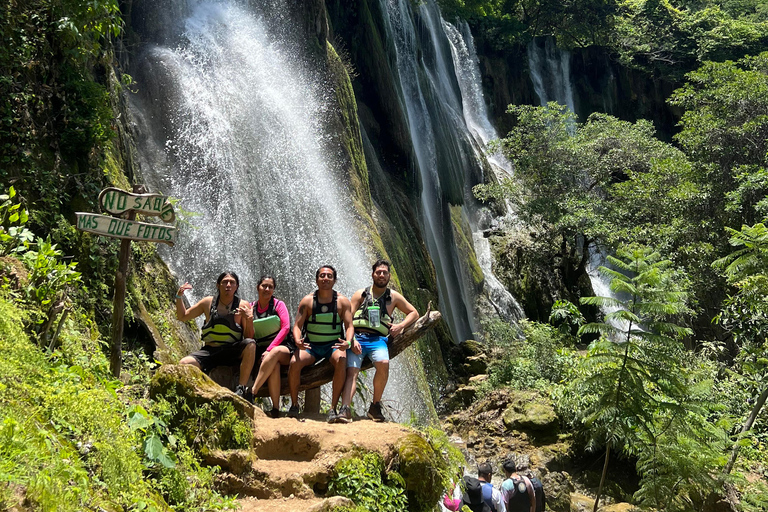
(323,330)
(372,320)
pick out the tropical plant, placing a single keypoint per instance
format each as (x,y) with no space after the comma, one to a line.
(745,316)
(628,369)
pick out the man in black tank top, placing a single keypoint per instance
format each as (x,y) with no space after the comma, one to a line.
(318,330)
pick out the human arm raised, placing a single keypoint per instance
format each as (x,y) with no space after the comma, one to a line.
(202,307)
(411,315)
(245,313)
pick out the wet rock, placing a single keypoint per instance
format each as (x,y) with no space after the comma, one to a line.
(558,488)
(530,411)
(476,365)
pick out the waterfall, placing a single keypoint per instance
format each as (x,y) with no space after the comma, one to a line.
(550,70)
(443,152)
(479,124)
(230,120)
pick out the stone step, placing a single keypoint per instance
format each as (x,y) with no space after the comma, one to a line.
(293,504)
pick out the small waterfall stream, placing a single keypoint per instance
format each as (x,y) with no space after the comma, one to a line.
(479,125)
(230,120)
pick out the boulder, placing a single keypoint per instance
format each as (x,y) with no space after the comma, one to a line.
(581,503)
(420,468)
(471,348)
(476,365)
(463,397)
(530,411)
(558,488)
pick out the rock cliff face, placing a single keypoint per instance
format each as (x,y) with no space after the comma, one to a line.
(599,82)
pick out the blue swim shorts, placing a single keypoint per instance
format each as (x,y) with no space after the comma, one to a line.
(321,350)
(373,345)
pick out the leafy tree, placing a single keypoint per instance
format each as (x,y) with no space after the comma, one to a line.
(631,368)
(745,316)
(605,180)
(725,134)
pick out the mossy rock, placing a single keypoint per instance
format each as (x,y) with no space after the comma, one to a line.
(531,412)
(558,488)
(476,365)
(463,396)
(581,503)
(212,416)
(421,468)
(471,348)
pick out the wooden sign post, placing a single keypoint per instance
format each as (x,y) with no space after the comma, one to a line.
(120,202)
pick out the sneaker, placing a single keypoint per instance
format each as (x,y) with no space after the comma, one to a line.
(332,416)
(244,393)
(345,415)
(374,412)
(274,413)
(293,412)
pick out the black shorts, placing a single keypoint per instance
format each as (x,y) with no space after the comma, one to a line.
(287,342)
(225,355)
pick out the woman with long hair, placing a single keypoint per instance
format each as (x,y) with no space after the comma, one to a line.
(228,331)
(274,342)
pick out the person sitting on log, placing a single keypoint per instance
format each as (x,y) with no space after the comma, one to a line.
(373,307)
(324,317)
(228,331)
(274,341)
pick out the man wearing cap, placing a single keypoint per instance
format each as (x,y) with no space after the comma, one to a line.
(491,496)
(517,490)
(473,495)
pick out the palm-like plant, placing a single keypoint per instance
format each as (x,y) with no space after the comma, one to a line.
(629,366)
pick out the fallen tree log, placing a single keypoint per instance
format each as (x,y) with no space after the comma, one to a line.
(317,375)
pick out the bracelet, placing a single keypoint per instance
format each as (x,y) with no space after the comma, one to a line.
(178,296)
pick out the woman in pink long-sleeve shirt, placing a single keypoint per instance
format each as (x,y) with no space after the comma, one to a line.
(272,328)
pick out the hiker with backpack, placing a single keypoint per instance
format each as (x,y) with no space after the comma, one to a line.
(521,493)
(491,496)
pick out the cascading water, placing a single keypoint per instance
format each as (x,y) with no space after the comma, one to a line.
(476,117)
(230,121)
(443,152)
(550,70)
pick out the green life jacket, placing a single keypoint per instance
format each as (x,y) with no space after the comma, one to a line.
(324,324)
(266,325)
(221,330)
(360,318)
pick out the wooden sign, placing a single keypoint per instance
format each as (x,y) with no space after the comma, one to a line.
(124,228)
(116,202)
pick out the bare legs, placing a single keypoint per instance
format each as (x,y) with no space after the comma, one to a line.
(246,363)
(302,358)
(380,379)
(269,371)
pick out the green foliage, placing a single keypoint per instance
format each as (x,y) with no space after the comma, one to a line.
(14,236)
(364,480)
(566,317)
(536,360)
(64,437)
(634,391)
(725,132)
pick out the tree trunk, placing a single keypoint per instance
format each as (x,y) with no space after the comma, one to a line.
(316,376)
(602,478)
(747,425)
